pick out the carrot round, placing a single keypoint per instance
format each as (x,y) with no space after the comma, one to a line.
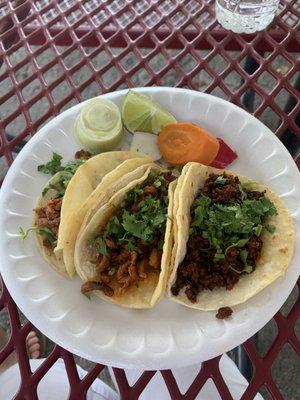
(184,142)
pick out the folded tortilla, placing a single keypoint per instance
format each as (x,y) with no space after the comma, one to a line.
(149,291)
(276,253)
(91,182)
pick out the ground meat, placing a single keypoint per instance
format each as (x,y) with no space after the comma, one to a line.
(224,312)
(105,278)
(169,176)
(150,189)
(110,243)
(90,286)
(155,258)
(49,215)
(198,271)
(254,246)
(47,244)
(226,193)
(83,155)
(254,195)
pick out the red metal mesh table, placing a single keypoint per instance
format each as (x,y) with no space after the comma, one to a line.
(57,53)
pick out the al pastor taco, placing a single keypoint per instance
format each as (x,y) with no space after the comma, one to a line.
(123,254)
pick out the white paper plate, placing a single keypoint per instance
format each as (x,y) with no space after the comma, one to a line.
(169,335)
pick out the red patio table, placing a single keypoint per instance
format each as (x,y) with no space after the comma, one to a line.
(93,47)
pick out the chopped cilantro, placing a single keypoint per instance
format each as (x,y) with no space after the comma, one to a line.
(249,185)
(239,243)
(91,237)
(40,231)
(248,269)
(244,255)
(221,180)
(160,181)
(102,247)
(66,173)
(73,165)
(270,228)
(111,271)
(53,166)
(257,229)
(147,224)
(87,295)
(231,225)
(133,226)
(219,256)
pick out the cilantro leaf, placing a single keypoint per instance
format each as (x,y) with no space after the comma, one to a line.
(239,243)
(53,166)
(147,223)
(221,180)
(102,247)
(244,255)
(270,228)
(231,225)
(257,229)
(73,165)
(111,271)
(219,256)
(91,238)
(66,173)
(87,295)
(131,225)
(40,231)
(201,210)
(249,184)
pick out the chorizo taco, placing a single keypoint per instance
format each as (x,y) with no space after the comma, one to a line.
(233,237)
(123,254)
(61,208)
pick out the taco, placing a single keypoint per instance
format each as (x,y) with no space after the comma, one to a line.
(123,254)
(61,208)
(233,237)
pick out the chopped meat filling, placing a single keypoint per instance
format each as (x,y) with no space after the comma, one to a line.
(90,286)
(82,155)
(49,216)
(224,312)
(209,263)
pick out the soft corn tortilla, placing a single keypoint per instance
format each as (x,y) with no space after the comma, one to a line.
(275,257)
(91,181)
(150,291)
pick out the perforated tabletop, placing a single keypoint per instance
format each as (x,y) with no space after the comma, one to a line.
(54,54)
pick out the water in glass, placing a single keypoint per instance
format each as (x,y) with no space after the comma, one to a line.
(246,16)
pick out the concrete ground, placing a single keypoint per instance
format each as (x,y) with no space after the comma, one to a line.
(286,369)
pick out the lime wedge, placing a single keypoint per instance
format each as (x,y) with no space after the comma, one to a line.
(141,114)
(99,125)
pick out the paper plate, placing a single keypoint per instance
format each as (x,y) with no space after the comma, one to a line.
(168,335)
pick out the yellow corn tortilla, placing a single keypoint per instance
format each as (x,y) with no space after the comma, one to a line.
(150,291)
(276,254)
(96,174)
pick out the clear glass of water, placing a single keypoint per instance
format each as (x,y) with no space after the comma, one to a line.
(245,16)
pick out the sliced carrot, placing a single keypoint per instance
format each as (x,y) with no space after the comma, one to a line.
(185,142)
